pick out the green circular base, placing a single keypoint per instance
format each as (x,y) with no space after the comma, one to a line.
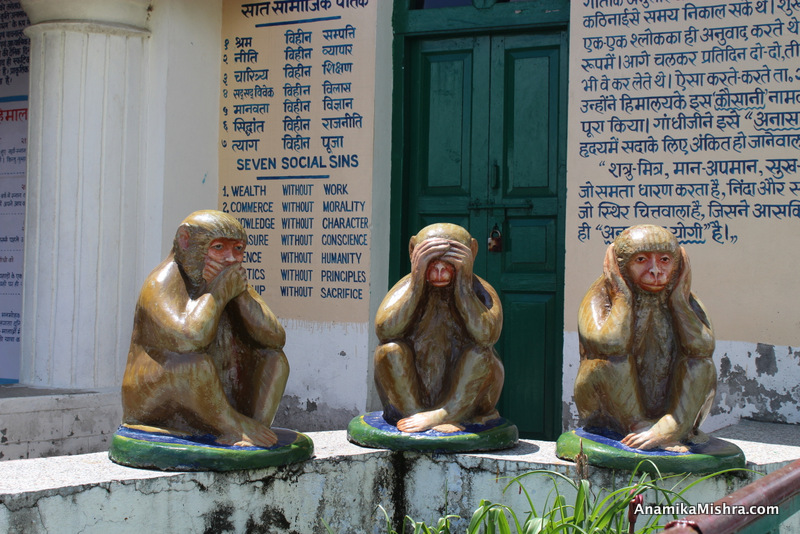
(371,430)
(152,450)
(605,450)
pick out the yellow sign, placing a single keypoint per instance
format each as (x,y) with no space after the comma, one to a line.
(296,124)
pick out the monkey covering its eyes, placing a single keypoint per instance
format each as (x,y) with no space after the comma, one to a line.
(436,366)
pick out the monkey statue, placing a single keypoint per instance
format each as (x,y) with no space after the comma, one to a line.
(206,354)
(646,343)
(436,367)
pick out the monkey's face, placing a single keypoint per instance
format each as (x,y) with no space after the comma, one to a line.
(440,273)
(651,271)
(221,253)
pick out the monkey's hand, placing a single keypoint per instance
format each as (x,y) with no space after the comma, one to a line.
(423,254)
(619,288)
(460,256)
(229,283)
(682,293)
(211,269)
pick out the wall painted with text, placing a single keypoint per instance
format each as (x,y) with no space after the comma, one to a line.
(685,115)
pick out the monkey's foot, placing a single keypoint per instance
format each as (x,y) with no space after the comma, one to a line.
(422,421)
(251,434)
(448,428)
(647,436)
(696,438)
(649,439)
(641,426)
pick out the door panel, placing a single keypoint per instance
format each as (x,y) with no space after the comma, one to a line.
(531,245)
(486,141)
(530,70)
(448,108)
(527,74)
(528,360)
(443,105)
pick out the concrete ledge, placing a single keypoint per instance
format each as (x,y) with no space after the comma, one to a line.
(343,484)
(40,422)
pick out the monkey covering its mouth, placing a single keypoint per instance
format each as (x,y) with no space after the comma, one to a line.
(206,353)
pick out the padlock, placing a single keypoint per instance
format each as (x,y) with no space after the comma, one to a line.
(495,240)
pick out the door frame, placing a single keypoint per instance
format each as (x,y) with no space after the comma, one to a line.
(410,24)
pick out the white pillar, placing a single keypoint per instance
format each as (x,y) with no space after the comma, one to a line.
(85,189)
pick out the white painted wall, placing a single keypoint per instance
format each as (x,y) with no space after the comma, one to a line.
(327,380)
(84,193)
(182,117)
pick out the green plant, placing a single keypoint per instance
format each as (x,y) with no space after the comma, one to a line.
(419,527)
(605,512)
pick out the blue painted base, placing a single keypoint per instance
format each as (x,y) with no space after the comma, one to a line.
(602,448)
(165,452)
(372,430)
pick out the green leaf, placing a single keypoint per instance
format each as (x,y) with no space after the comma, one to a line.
(560,505)
(478,515)
(492,519)
(536,525)
(327,527)
(389,529)
(580,502)
(502,523)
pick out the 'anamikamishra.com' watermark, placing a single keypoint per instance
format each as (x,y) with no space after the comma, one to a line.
(682,508)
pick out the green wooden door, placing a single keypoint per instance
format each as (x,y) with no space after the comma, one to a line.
(485,143)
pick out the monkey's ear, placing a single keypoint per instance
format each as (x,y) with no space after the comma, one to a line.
(183,237)
(411,244)
(473,245)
